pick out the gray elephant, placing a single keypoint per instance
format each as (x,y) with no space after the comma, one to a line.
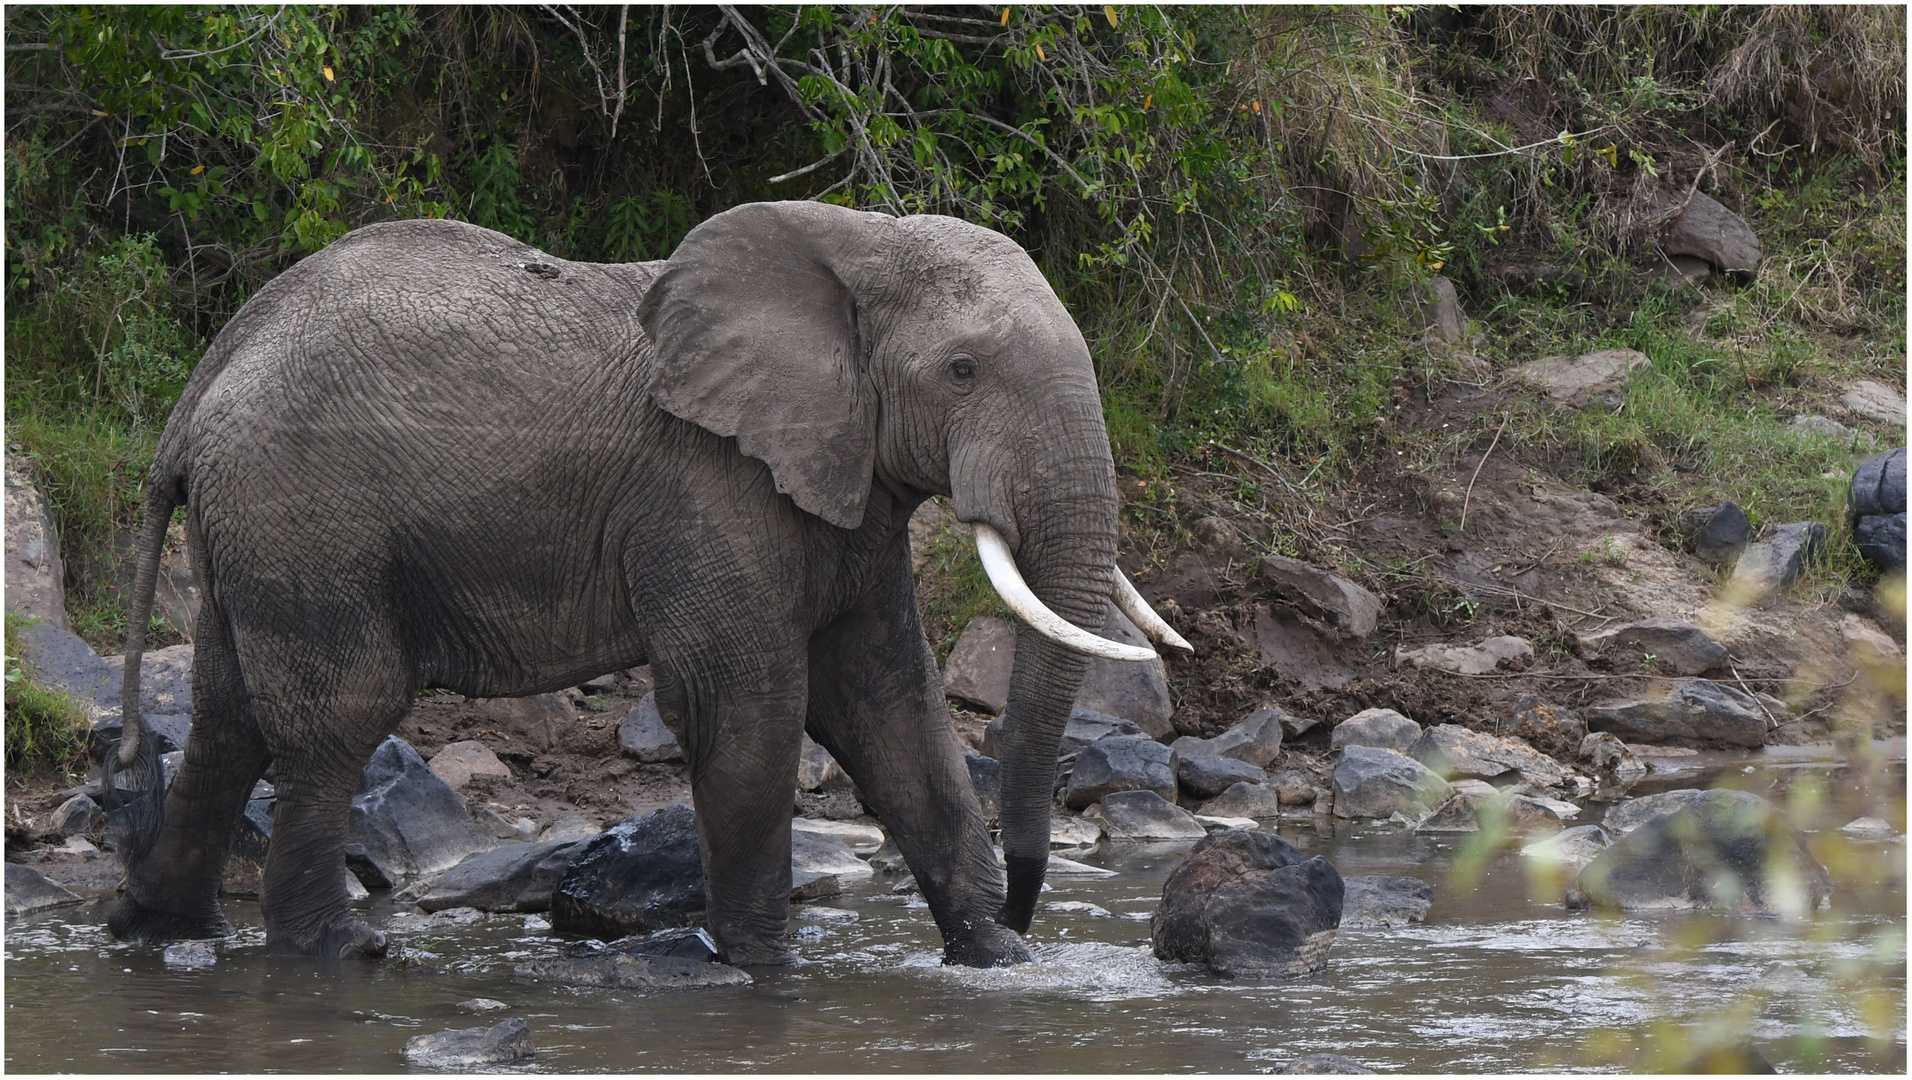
(430,456)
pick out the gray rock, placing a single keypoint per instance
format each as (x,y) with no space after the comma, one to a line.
(77,816)
(1207,777)
(1547,728)
(979,667)
(626,971)
(1823,426)
(538,721)
(1133,763)
(1454,751)
(1709,231)
(1678,647)
(1324,1065)
(1293,788)
(165,682)
(1700,710)
(459,763)
(62,661)
(35,576)
(1245,800)
(1467,659)
(1248,904)
(814,854)
(1349,607)
(1383,900)
(1876,401)
(1384,728)
(644,736)
(1597,378)
(1875,501)
(469,1048)
(1570,849)
(863,840)
(645,873)
(406,822)
(1372,782)
(807,885)
(1870,828)
(168,732)
(518,877)
(1514,813)
(1727,851)
(570,827)
(29,891)
(1881,539)
(816,769)
(1256,740)
(1624,817)
(1775,562)
(889,858)
(1143,815)
(1611,757)
(985,775)
(1073,832)
(1440,309)
(481,1005)
(190,955)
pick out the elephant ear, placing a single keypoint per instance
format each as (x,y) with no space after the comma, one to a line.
(754,320)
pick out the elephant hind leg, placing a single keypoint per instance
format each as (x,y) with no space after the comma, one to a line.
(172,893)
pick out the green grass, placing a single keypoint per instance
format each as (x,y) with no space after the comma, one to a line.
(953,589)
(44,727)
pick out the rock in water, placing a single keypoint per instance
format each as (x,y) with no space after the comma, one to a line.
(1246,800)
(1374,783)
(1085,726)
(29,891)
(1382,900)
(1207,777)
(644,736)
(1730,852)
(469,1048)
(1611,757)
(612,970)
(643,874)
(1624,817)
(1324,1065)
(1384,728)
(406,821)
(1571,848)
(190,955)
(1255,741)
(516,877)
(1142,816)
(814,854)
(1249,904)
(1452,750)
(1548,728)
(1135,763)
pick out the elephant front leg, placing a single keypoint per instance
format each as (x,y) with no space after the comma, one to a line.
(742,736)
(876,703)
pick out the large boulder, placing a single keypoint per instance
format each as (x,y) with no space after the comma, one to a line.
(1876,401)
(1700,710)
(1324,1065)
(1881,539)
(1371,782)
(1249,904)
(406,822)
(1676,646)
(516,877)
(1207,777)
(36,578)
(1350,608)
(644,736)
(1725,851)
(1454,751)
(1624,817)
(816,854)
(977,671)
(816,769)
(1255,741)
(1384,728)
(470,1048)
(1141,816)
(979,666)
(1384,900)
(645,873)
(165,682)
(1134,763)
(29,891)
(1875,500)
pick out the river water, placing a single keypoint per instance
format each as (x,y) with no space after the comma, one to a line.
(1499,978)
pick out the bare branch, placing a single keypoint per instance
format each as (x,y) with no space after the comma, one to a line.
(810,168)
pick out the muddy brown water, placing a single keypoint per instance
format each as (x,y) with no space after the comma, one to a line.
(1499,978)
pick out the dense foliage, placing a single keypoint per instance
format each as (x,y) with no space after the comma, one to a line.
(1229,198)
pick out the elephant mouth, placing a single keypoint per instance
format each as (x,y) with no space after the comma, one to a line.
(1008,581)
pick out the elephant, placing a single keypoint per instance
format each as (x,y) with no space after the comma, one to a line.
(431,456)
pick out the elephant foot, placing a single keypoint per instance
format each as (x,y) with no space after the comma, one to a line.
(986,946)
(130,920)
(343,939)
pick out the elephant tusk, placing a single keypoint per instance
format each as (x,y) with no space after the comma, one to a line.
(1000,565)
(1143,616)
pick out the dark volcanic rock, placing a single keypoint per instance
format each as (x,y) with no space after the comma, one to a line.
(1207,777)
(1716,533)
(643,874)
(29,891)
(1247,903)
(1382,900)
(1700,710)
(406,821)
(517,877)
(1881,538)
(469,1048)
(1878,485)
(1624,817)
(1453,751)
(1725,851)
(1133,763)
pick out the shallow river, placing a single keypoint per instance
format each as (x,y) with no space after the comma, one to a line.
(1499,978)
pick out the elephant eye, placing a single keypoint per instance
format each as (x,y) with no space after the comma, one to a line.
(963,368)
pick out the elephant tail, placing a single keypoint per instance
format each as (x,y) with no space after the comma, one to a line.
(131,778)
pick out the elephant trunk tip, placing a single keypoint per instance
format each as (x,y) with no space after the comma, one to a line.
(1025,874)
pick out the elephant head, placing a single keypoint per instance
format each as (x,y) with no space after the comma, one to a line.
(843,348)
